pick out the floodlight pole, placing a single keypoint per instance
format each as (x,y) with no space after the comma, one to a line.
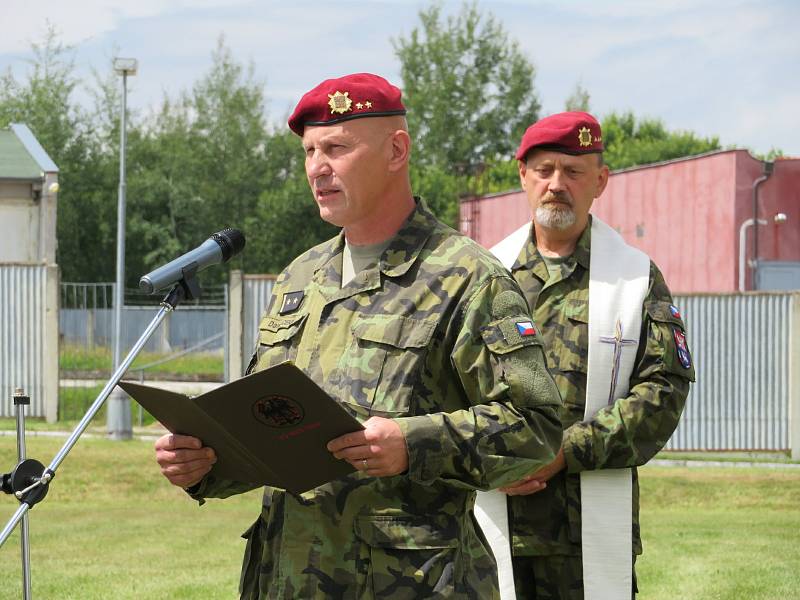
(118,418)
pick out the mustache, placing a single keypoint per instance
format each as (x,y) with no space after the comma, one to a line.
(557,197)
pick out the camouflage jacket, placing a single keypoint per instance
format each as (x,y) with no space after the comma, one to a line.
(627,433)
(428,337)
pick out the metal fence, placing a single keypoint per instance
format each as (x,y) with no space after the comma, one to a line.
(87,319)
(28,338)
(181,329)
(744,348)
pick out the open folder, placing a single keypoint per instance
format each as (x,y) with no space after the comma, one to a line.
(268,428)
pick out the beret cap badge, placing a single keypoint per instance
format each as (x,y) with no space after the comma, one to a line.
(339,102)
(584,136)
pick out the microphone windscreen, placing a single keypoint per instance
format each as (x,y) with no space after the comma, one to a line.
(231,241)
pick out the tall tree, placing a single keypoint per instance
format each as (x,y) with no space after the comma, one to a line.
(200,166)
(629,142)
(470,95)
(578,99)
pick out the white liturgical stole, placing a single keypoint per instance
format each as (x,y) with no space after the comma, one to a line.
(618,280)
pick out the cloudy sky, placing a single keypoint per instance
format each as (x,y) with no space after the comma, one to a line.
(729,68)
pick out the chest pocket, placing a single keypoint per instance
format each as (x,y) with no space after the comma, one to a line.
(568,337)
(277,339)
(377,372)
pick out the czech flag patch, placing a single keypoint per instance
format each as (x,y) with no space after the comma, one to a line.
(674,310)
(526,328)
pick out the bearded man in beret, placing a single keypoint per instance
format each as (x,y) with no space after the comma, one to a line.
(616,346)
(422,336)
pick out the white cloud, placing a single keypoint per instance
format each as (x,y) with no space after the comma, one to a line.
(76,22)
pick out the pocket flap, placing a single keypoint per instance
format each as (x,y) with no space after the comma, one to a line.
(664,312)
(394,330)
(407,533)
(577,310)
(273,329)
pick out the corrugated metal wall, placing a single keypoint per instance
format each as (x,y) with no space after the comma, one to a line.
(181,329)
(257,292)
(22,323)
(742,352)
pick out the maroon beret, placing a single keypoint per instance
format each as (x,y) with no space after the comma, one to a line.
(569,132)
(345,98)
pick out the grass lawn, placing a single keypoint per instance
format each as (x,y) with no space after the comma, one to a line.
(202,364)
(111,527)
(721,533)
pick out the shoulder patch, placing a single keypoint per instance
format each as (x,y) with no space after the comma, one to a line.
(681,348)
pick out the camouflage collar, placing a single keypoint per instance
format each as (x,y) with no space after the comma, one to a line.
(404,247)
(529,257)
(409,241)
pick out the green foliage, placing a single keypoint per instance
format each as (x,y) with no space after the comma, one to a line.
(772,155)
(469,93)
(198,166)
(629,143)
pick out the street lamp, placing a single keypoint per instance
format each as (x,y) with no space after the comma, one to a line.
(778,219)
(118,417)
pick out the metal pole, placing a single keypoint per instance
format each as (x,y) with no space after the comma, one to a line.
(87,418)
(118,419)
(20,401)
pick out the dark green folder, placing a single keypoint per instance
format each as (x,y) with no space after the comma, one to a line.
(268,428)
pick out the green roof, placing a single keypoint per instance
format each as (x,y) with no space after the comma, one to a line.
(21,156)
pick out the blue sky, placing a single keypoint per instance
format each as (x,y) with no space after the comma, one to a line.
(729,68)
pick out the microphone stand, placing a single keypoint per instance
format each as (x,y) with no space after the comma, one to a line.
(29,481)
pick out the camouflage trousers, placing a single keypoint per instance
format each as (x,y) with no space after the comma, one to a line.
(555,577)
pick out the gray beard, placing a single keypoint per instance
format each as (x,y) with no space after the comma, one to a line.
(555,217)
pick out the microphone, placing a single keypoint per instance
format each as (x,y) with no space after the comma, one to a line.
(220,247)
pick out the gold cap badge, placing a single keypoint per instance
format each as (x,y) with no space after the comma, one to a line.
(340,103)
(584,136)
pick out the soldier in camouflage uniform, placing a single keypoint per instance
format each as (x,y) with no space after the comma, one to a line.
(561,170)
(429,346)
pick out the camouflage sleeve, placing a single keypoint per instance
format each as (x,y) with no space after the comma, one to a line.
(510,426)
(632,430)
